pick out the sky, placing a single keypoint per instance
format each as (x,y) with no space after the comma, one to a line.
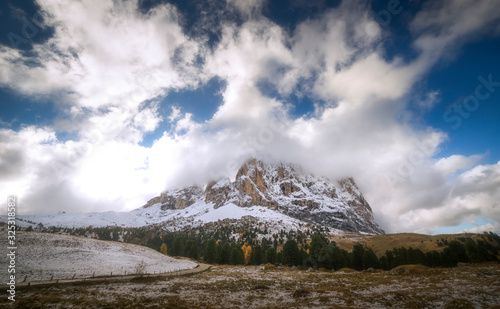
(105,104)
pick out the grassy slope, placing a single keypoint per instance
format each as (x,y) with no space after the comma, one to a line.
(381,243)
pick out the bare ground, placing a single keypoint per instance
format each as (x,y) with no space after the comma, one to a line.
(475,286)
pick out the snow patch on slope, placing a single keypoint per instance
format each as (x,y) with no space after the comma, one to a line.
(41,256)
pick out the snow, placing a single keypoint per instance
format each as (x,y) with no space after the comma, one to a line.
(232,211)
(197,214)
(221,183)
(41,256)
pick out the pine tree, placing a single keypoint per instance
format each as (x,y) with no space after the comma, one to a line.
(384,264)
(279,257)
(211,251)
(191,249)
(237,256)
(391,260)
(370,259)
(223,253)
(340,256)
(433,259)
(177,247)
(358,252)
(318,243)
(257,255)
(271,256)
(453,254)
(291,254)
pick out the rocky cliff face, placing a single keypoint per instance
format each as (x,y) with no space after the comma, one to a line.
(284,188)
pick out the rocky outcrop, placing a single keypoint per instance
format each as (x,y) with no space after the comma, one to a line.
(284,188)
(179,199)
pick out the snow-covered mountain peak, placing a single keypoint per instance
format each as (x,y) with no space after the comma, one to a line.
(278,194)
(284,188)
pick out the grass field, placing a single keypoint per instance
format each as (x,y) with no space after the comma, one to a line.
(474,286)
(381,243)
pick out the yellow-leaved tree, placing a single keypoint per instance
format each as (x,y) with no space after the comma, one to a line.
(247,251)
(163,249)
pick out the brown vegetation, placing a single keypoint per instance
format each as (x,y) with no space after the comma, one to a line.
(381,243)
(279,287)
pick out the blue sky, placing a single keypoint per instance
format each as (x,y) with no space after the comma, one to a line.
(140,91)
(456,81)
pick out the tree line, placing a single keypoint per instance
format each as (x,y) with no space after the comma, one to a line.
(247,244)
(322,253)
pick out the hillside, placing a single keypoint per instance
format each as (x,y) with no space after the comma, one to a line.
(42,255)
(425,243)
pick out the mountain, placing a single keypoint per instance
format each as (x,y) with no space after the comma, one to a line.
(271,195)
(285,189)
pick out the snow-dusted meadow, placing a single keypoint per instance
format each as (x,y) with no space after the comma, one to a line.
(41,256)
(473,286)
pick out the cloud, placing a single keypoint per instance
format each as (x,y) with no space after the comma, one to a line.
(492,227)
(247,8)
(454,163)
(429,100)
(243,58)
(96,56)
(451,201)
(109,65)
(176,113)
(445,25)
(103,67)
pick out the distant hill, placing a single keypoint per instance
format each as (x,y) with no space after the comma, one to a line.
(425,243)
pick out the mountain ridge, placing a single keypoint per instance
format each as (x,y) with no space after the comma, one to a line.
(284,188)
(277,195)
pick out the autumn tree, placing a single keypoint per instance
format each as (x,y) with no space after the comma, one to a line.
(247,252)
(163,249)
